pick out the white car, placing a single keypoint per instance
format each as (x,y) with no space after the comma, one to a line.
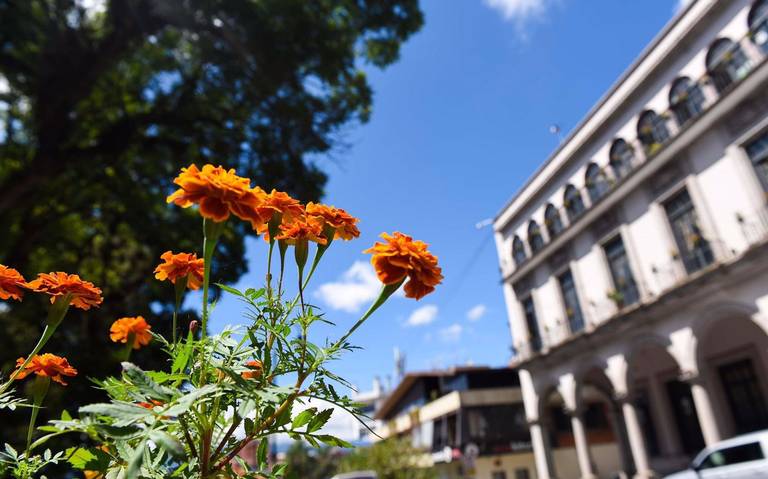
(356,475)
(736,458)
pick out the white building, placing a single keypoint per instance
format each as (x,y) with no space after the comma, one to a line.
(634,259)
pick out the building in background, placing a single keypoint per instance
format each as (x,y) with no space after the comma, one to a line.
(634,260)
(471,423)
(370,402)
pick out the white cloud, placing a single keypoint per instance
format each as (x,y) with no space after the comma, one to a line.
(477,312)
(681,4)
(358,287)
(518,11)
(342,424)
(422,316)
(451,333)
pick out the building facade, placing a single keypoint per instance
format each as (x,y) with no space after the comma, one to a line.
(470,422)
(635,261)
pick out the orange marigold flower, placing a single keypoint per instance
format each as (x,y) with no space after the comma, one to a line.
(176,266)
(124,327)
(401,256)
(219,192)
(279,202)
(255,370)
(92,475)
(149,405)
(47,365)
(307,230)
(340,220)
(84,293)
(11,282)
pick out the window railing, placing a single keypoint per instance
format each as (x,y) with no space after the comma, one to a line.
(644,152)
(665,277)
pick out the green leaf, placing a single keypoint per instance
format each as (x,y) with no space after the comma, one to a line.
(261,454)
(182,358)
(91,459)
(148,387)
(168,443)
(137,459)
(303,417)
(124,413)
(334,441)
(230,290)
(319,420)
(248,425)
(11,451)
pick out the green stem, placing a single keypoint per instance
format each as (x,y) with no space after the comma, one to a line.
(55,316)
(385,293)
(211,232)
(179,287)
(39,390)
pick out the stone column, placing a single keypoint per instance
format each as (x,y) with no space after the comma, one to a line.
(582,444)
(542,452)
(636,439)
(663,420)
(707,419)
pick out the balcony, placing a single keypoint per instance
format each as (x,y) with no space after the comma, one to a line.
(663,135)
(669,281)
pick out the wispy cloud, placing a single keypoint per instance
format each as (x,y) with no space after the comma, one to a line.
(477,312)
(422,316)
(357,287)
(681,4)
(520,12)
(451,333)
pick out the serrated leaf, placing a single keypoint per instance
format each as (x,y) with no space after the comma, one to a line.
(319,420)
(303,417)
(137,459)
(145,384)
(11,451)
(230,290)
(261,453)
(333,441)
(168,443)
(124,413)
(248,425)
(91,459)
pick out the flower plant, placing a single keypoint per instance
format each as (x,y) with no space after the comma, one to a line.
(219,392)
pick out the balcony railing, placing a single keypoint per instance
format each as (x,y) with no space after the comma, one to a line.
(648,145)
(666,276)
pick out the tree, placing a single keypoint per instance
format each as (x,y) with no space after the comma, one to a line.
(306,463)
(391,459)
(99,107)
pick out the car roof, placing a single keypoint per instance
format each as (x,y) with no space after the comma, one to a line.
(759,436)
(356,475)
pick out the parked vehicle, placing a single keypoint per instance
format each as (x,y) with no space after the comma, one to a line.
(736,458)
(356,475)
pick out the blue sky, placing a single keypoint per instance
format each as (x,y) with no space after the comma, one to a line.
(459,123)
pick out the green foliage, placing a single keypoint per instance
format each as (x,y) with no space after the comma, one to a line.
(103,109)
(391,459)
(305,463)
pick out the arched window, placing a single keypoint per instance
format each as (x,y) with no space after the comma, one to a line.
(535,240)
(553,221)
(758,24)
(622,158)
(518,251)
(652,131)
(597,183)
(686,100)
(574,203)
(726,63)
